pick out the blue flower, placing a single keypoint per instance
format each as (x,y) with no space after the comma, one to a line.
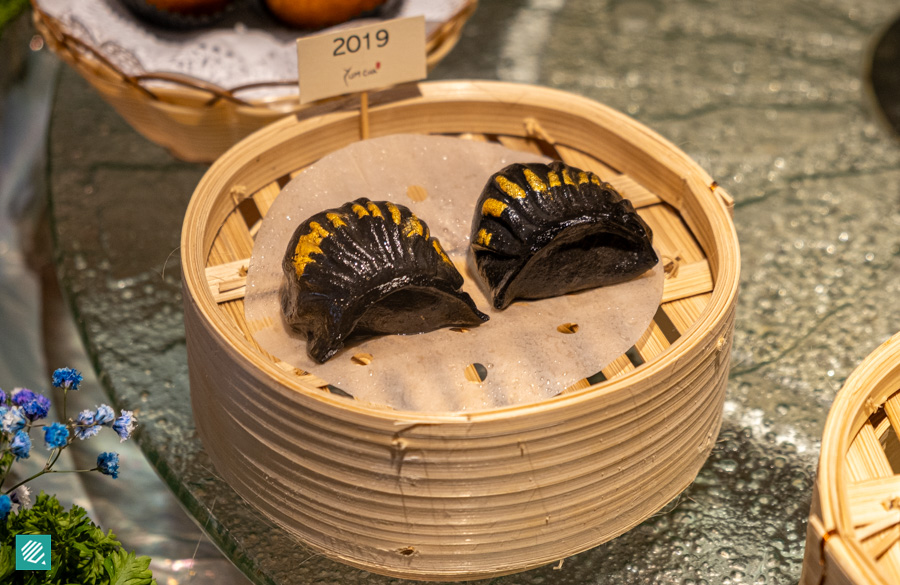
(105,415)
(124,425)
(22,396)
(13,420)
(21,445)
(38,408)
(2,396)
(56,435)
(5,506)
(86,426)
(108,464)
(67,378)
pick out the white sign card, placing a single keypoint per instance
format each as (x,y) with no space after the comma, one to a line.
(361,58)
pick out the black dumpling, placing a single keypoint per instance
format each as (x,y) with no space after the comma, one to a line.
(369,268)
(546,230)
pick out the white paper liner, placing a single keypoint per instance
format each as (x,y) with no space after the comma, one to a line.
(247,46)
(527,359)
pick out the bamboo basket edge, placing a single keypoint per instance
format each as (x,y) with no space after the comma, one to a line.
(435,92)
(867,387)
(697,370)
(218,117)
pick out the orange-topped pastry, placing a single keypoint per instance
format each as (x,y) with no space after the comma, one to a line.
(319,13)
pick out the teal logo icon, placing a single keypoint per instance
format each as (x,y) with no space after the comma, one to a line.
(33,552)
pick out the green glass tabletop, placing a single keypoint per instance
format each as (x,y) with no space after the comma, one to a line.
(769,97)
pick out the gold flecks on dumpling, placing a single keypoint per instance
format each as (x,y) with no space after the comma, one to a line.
(307,245)
(483,237)
(566,178)
(335,219)
(440,251)
(584,177)
(395,213)
(596,180)
(510,188)
(553,178)
(492,207)
(535,181)
(374,209)
(412,226)
(359,210)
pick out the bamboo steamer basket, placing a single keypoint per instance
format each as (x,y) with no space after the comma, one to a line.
(853,535)
(196,120)
(449,496)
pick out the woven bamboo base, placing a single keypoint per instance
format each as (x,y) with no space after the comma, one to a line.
(448,496)
(195,120)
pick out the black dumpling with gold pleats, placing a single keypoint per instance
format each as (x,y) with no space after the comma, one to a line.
(546,230)
(369,268)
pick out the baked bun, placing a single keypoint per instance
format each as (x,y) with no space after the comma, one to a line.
(319,13)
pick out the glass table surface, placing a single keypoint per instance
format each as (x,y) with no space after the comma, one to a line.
(770,97)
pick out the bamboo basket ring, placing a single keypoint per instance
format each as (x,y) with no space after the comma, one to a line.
(194,119)
(853,535)
(448,496)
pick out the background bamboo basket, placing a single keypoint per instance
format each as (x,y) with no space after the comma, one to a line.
(195,120)
(449,496)
(853,535)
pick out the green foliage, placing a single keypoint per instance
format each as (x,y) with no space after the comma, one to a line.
(6,461)
(82,553)
(127,569)
(9,9)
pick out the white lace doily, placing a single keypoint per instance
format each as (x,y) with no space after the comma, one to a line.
(248,46)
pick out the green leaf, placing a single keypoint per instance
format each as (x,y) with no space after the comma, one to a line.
(7,562)
(127,569)
(9,9)
(6,460)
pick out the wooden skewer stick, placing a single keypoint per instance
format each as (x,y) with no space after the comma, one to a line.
(364,115)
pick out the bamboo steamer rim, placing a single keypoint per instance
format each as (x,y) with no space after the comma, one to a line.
(867,388)
(218,179)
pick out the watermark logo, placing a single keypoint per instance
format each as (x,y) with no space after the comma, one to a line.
(33,552)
